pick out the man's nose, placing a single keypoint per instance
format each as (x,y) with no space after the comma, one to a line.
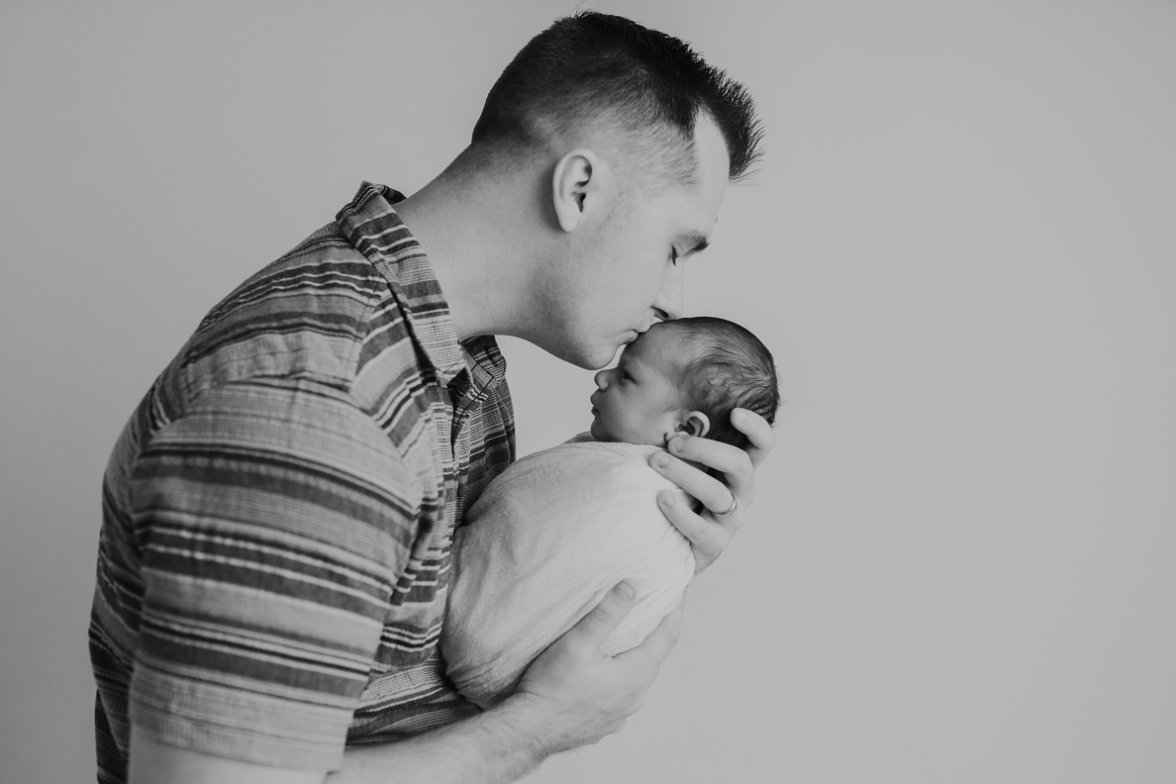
(671,298)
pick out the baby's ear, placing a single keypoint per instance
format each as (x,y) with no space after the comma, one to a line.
(696,424)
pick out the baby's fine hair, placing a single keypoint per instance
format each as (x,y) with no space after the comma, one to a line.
(727,368)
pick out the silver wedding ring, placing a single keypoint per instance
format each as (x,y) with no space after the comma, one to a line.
(731,509)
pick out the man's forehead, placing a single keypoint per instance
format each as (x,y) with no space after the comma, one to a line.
(712,166)
(696,208)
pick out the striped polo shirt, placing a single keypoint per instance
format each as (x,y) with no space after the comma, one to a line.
(277,515)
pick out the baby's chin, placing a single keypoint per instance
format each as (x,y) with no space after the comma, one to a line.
(602,433)
(598,430)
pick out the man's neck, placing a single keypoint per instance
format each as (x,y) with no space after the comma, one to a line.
(476,235)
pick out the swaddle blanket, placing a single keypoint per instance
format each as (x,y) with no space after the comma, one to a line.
(543,545)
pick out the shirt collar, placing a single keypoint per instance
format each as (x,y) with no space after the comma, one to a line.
(374,228)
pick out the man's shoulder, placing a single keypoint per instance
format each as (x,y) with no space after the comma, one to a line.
(310,313)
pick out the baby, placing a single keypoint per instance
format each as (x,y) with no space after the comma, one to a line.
(553,533)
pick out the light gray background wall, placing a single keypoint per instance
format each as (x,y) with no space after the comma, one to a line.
(961,248)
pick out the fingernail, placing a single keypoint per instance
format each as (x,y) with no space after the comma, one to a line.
(661,459)
(624,591)
(676,442)
(664,500)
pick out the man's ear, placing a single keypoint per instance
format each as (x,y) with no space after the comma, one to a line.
(574,180)
(696,424)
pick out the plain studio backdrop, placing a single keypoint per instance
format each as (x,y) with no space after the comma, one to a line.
(961,247)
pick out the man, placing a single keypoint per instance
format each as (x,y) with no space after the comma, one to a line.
(277,514)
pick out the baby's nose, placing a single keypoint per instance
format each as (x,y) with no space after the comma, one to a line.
(601,379)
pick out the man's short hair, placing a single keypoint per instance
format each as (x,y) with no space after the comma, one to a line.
(726,367)
(591,67)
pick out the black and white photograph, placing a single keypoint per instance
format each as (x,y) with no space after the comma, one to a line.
(642,392)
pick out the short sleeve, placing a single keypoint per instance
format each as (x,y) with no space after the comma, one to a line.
(272,520)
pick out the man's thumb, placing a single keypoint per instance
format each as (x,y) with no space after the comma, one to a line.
(607,615)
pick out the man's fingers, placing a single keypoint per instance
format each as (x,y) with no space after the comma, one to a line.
(758,432)
(733,462)
(722,457)
(701,532)
(708,538)
(661,641)
(606,615)
(725,497)
(736,465)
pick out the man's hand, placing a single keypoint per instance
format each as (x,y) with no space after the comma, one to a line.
(725,502)
(570,696)
(580,695)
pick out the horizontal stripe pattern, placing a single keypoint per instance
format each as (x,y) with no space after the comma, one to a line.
(278,512)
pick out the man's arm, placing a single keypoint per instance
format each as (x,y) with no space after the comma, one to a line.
(571,696)
(711,531)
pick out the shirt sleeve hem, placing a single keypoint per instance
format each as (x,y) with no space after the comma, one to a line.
(225,722)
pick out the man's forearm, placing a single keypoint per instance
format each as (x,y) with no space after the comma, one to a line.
(569,697)
(498,746)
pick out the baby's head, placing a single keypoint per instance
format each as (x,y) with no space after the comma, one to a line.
(685,375)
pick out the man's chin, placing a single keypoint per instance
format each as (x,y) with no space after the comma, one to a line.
(595,359)
(588,357)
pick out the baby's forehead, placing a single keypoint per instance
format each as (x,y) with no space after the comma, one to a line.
(664,348)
